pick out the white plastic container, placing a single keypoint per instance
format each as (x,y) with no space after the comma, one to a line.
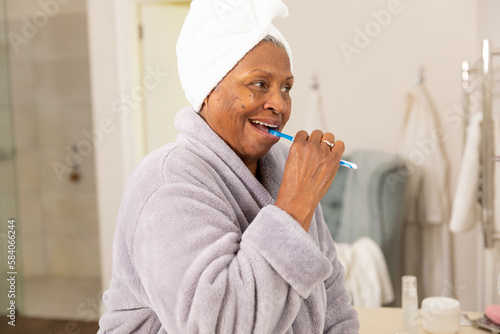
(441,315)
(409,299)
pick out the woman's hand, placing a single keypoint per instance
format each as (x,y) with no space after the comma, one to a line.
(309,172)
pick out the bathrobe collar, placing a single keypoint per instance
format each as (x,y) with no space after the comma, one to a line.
(196,135)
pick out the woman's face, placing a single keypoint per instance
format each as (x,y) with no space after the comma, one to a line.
(253,96)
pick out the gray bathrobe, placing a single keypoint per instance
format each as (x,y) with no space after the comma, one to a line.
(200,248)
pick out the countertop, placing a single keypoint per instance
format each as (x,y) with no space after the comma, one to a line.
(389,320)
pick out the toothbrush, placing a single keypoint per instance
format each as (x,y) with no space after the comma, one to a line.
(290,138)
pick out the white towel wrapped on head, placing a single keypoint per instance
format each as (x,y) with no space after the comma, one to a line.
(216,35)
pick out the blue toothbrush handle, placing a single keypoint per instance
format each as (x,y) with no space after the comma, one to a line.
(290,138)
(279,134)
(348,164)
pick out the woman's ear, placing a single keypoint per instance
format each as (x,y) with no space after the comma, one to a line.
(203,107)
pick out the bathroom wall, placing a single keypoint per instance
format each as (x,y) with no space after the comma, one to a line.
(367,55)
(52,111)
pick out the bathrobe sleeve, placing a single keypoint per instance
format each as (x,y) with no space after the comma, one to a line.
(340,315)
(201,274)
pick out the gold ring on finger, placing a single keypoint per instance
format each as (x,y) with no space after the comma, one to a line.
(328,143)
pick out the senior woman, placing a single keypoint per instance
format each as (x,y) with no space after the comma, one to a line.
(221,231)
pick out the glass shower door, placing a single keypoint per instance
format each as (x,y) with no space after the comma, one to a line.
(10,274)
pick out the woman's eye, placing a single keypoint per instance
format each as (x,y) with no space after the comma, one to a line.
(260,84)
(285,89)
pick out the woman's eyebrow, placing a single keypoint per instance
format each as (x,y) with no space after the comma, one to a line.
(269,74)
(259,70)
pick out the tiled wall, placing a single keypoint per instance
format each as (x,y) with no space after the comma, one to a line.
(51,103)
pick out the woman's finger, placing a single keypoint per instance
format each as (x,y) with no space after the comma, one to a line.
(301,136)
(316,136)
(328,139)
(338,149)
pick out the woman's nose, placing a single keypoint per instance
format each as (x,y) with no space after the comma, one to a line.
(275,102)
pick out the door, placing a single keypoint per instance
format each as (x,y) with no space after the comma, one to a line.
(161,24)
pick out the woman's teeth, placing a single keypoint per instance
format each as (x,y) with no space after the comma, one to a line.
(265,124)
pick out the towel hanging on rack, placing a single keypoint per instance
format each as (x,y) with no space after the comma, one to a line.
(422,147)
(465,214)
(366,275)
(428,198)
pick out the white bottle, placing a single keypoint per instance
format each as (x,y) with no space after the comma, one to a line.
(409,300)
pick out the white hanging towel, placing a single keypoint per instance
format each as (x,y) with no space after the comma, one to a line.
(366,275)
(423,149)
(427,196)
(465,212)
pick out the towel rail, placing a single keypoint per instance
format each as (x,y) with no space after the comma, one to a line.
(486,190)
(487,149)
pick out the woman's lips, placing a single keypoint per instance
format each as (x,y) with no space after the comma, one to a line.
(264,130)
(260,127)
(264,127)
